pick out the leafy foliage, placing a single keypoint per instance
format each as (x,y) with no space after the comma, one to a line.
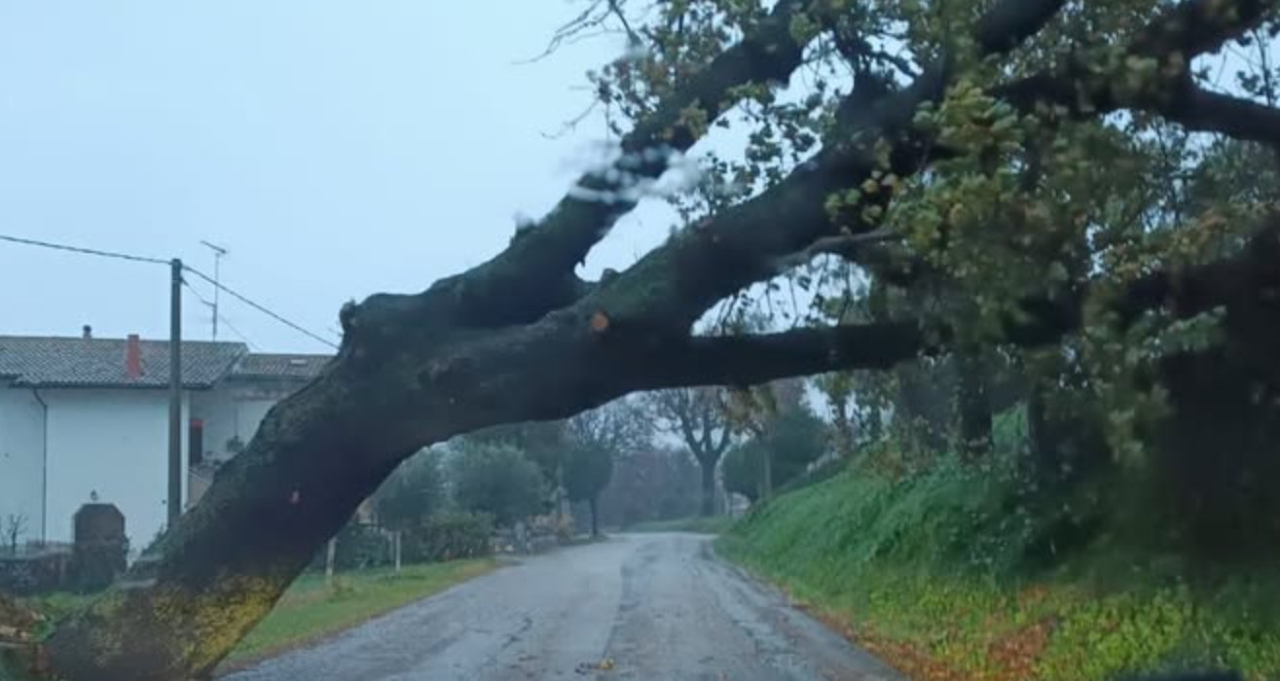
(498,480)
(448,536)
(542,442)
(587,471)
(790,442)
(784,437)
(412,493)
(650,484)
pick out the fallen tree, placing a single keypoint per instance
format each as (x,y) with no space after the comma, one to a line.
(522,338)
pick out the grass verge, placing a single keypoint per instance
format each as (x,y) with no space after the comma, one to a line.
(922,571)
(312,609)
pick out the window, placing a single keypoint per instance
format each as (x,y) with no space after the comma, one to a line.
(195,442)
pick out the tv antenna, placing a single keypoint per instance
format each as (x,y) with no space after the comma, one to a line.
(218,252)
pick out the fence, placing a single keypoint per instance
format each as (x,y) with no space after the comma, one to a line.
(34,568)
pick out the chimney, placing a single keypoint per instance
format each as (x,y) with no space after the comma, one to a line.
(88,331)
(133,356)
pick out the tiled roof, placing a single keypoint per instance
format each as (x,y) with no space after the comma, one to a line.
(101,362)
(280,367)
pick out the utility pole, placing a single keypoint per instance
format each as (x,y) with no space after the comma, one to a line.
(175,393)
(218,252)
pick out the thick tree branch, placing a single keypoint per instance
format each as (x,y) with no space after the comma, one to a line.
(752,359)
(534,274)
(1250,275)
(1202,110)
(1173,39)
(675,284)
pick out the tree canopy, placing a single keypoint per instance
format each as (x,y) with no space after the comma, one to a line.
(788,442)
(412,493)
(497,480)
(926,178)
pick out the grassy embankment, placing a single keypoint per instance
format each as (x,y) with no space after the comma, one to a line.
(312,609)
(932,573)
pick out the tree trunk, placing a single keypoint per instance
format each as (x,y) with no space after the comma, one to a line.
(975,407)
(397,538)
(329,557)
(708,488)
(221,569)
(766,474)
(594,503)
(1046,455)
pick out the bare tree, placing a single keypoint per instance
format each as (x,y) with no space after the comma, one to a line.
(15,525)
(596,438)
(697,416)
(522,338)
(622,426)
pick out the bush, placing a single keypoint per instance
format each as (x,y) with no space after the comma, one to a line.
(362,546)
(358,547)
(448,536)
(413,492)
(497,480)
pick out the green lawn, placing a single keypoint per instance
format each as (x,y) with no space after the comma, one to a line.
(311,609)
(704,524)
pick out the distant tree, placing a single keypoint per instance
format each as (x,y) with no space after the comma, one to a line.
(587,470)
(498,480)
(14,527)
(651,484)
(785,437)
(542,442)
(753,412)
(412,493)
(619,426)
(697,417)
(595,438)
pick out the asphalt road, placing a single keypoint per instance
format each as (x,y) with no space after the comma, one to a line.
(660,606)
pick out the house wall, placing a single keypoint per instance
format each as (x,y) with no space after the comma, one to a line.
(228,413)
(22,460)
(115,443)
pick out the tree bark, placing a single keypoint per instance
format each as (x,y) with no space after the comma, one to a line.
(594,503)
(975,406)
(766,473)
(708,507)
(330,557)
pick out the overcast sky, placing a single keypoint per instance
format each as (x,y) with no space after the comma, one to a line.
(336,149)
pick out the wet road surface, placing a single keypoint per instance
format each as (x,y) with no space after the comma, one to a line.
(660,606)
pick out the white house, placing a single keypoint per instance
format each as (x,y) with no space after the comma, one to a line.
(88,418)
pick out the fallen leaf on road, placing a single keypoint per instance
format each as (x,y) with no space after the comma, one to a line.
(604,665)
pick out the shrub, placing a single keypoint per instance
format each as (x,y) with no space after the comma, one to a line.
(497,480)
(413,492)
(358,546)
(448,536)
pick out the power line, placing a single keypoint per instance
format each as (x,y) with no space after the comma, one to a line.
(260,308)
(82,251)
(158,261)
(218,315)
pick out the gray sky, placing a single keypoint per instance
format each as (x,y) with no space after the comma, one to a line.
(336,149)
